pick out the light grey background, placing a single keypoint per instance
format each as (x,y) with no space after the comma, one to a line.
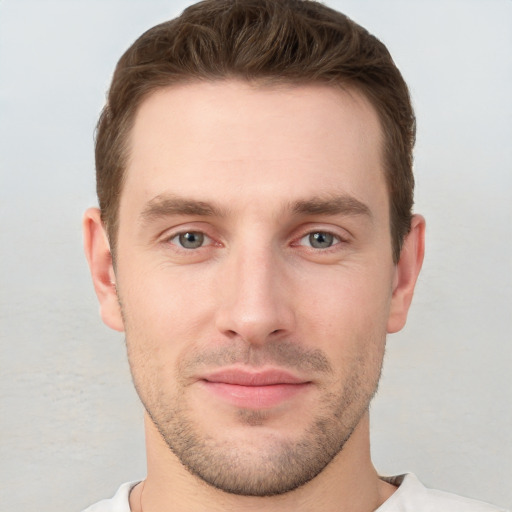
(70,424)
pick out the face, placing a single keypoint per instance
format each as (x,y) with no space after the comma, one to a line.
(255,277)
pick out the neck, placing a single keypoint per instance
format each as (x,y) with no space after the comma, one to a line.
(349,482)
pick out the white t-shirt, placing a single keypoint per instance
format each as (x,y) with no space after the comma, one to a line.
(411,496)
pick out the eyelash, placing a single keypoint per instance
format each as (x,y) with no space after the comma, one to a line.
(207,239)
(337,241)
(174,239)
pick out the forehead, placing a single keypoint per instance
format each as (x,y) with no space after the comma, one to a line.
(252,142)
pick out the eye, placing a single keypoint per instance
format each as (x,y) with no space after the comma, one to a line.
(319,240)
(190,239)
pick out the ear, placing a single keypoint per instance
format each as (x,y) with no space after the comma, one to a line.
(406,274)
(99,257)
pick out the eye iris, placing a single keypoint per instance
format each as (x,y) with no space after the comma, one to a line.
(191,240)
(321,240)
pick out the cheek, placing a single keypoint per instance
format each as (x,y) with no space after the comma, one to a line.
(345,299)
(164,300)
(166,314)
(347,319)
(154,330)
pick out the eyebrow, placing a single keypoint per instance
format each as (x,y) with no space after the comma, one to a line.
(163,206)
(167,205)
(335,205)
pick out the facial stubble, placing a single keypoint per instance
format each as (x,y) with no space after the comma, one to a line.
(266,463)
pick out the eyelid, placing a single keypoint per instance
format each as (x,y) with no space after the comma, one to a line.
(169,234)
(206,239)
(336,241)
(341,234)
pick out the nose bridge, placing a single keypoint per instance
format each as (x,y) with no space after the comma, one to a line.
(253,299)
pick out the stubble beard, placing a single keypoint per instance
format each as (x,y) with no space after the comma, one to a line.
(276,465)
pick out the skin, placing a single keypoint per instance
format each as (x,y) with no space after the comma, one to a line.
(256,171)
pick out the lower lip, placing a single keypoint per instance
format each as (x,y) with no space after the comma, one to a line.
(256,397)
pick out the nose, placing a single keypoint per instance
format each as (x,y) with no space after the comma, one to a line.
(255,302)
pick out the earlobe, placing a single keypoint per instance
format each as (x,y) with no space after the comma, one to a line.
(407,271)
(99,257)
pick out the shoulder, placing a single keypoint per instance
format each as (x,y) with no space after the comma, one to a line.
(413,496)
(118,503)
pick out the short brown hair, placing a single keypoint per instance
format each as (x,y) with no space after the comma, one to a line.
(294,41)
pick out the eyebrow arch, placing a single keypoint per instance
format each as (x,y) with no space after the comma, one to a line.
(166,205)
(335,205)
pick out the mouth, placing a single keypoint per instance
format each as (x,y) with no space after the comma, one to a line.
(254,389)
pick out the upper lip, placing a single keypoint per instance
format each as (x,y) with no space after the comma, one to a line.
(246,377)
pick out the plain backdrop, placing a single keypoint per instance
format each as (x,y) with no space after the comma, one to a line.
(70,423)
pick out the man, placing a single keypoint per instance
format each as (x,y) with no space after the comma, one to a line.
(255,243)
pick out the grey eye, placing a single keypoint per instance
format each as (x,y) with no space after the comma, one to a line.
(191,239)
(321,240)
